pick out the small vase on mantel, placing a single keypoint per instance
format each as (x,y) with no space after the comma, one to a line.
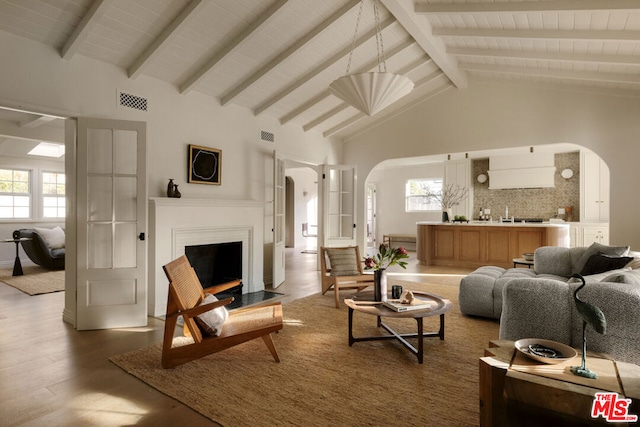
(170,188)
(445,216)
(380,284)
(176,193)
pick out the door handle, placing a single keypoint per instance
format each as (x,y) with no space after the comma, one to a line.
(141,236)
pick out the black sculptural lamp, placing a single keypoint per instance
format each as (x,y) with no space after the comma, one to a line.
(593,316)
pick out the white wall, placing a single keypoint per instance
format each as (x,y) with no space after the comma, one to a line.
(34,76)
(391,217)
(495,115)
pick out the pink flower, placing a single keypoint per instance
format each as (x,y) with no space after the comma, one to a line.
(402,250)
(369,263)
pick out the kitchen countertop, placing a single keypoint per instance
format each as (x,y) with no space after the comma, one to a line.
(495,224)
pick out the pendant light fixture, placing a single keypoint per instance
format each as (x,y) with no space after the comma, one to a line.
(371,92)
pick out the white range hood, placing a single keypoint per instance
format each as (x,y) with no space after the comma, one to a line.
(532,170)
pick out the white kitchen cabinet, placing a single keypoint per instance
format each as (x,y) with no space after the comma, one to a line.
(575,236)
(458,172)
(594,189)
(595,233)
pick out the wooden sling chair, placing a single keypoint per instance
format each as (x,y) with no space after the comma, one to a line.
(344,270)
(185,298)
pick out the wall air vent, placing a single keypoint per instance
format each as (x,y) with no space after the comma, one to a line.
(132,101)
(267,136)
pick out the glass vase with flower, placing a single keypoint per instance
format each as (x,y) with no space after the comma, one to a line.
(448,197)
(385,258)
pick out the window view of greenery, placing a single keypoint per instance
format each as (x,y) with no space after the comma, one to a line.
(53,191)
(416,199)
(15,197)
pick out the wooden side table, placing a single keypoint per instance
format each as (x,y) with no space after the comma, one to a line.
(515,390)
(522,261)
(17,266)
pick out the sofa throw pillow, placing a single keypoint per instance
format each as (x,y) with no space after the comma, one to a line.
(595,249)
(343,262)
(628,277)
(53,237)
(599,263)
(634,264)
(211,321)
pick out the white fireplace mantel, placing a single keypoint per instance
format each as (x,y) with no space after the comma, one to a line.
(173,223)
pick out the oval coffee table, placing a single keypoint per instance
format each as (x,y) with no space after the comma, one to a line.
(363,303)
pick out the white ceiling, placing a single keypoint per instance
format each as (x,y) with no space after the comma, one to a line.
(277,57)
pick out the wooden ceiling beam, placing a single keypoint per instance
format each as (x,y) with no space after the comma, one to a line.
(201,73)
(547,56)
(167,35)
(34,122)
(527,6)
(608,35)
(421,30)
(591,76)
(301,42)
(87,23)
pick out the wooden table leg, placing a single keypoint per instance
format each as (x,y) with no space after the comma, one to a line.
(351,340)
(420,340)
(492,401)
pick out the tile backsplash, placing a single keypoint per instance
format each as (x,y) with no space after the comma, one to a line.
(531,202)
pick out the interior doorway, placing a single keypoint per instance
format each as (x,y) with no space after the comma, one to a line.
(32,153)
(302,207)
(290,213)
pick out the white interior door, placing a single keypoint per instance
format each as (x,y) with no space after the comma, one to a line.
(371,216)
(339,192)
(278,220)
(111,222)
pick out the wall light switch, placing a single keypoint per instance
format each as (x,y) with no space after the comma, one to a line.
(487,211)
(560,211)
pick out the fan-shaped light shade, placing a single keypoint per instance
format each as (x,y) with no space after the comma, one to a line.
(371,92)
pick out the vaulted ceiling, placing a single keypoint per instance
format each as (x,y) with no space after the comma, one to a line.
(277,57)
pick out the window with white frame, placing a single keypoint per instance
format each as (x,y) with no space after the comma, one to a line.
(416,199)
(53,192)
(15,194)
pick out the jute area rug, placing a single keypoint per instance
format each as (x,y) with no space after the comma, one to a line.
(321,381)
(36,280)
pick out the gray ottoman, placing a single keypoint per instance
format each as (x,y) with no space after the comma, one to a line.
(480,292)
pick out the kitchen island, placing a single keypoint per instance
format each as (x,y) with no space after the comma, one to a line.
(478,243)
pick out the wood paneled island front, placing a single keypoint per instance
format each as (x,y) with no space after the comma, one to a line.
(472,245)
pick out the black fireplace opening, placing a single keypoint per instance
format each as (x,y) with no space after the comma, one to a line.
(217,263)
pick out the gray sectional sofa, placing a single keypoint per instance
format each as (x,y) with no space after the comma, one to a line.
(481,291)
(544,308)
(538,302)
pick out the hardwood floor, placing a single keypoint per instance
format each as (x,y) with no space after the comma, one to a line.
(52,375)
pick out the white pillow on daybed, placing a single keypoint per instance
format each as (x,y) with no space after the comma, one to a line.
(53,237)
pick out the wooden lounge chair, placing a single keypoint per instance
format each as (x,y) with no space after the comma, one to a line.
(344,270)
(185,298)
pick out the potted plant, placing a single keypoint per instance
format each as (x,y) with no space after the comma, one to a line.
(451,195)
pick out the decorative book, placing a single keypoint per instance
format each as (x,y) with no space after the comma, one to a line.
(398,305)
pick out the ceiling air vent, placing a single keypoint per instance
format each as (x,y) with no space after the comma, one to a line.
(132,101)
(267,136)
